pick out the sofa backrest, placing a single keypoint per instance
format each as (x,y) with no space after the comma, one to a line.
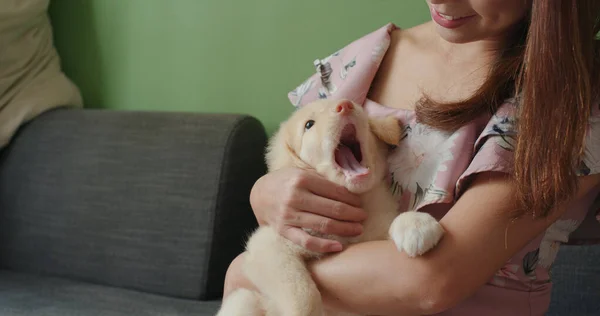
(156,202)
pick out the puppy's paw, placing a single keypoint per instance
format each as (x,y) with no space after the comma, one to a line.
(415,232)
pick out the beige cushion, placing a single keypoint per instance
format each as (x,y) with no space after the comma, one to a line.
(31,80)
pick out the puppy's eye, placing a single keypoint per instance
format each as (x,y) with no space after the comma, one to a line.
(309,124)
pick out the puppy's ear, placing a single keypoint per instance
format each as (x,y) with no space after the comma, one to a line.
(280,153)
(386,128)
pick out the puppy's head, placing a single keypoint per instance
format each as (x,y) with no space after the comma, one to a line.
(338,140)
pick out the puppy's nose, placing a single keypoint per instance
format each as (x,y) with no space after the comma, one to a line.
(345,107)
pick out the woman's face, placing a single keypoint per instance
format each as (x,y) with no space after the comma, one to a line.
(463,21)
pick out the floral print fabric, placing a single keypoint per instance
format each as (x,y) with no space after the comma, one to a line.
(429,167)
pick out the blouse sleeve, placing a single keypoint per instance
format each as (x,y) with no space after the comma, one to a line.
(494,148)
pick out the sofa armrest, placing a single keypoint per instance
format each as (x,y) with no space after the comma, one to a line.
(157,202)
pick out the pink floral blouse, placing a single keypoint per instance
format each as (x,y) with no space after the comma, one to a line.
(430,167)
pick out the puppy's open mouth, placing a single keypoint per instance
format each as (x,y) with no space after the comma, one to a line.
(348,154)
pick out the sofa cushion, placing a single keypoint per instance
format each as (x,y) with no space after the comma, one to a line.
(157,202)
(23,295)
(576,281)
(31,78)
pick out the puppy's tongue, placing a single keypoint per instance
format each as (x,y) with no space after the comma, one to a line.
(345,158)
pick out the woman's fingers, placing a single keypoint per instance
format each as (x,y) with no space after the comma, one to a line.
(292,200)
(318,185)
(337,210)
(312,243)
(322,224)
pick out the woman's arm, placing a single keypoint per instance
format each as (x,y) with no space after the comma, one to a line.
(375,279)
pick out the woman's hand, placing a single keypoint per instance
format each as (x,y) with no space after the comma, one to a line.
(292,199)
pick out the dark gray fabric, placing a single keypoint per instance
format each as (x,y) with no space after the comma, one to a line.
(589,230)
(151,201)
(24,295)
(576,281)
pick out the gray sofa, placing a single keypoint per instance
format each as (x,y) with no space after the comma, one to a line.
(124,213)
(131,213)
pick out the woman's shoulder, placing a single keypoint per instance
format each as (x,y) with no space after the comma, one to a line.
(348,72)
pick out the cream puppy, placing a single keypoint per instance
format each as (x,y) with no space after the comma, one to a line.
(339,141)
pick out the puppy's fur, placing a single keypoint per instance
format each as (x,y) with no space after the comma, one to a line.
(339,141)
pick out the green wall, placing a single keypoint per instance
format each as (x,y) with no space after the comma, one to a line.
(235,56)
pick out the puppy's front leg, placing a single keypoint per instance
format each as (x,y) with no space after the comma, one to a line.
(415,232)
(277,267)
(242,302)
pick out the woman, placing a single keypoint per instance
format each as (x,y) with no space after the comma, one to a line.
(502,145)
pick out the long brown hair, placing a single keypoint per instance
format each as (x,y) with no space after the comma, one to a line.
(552,65)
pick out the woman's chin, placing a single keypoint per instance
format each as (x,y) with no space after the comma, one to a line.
(461,35)
(455,36)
